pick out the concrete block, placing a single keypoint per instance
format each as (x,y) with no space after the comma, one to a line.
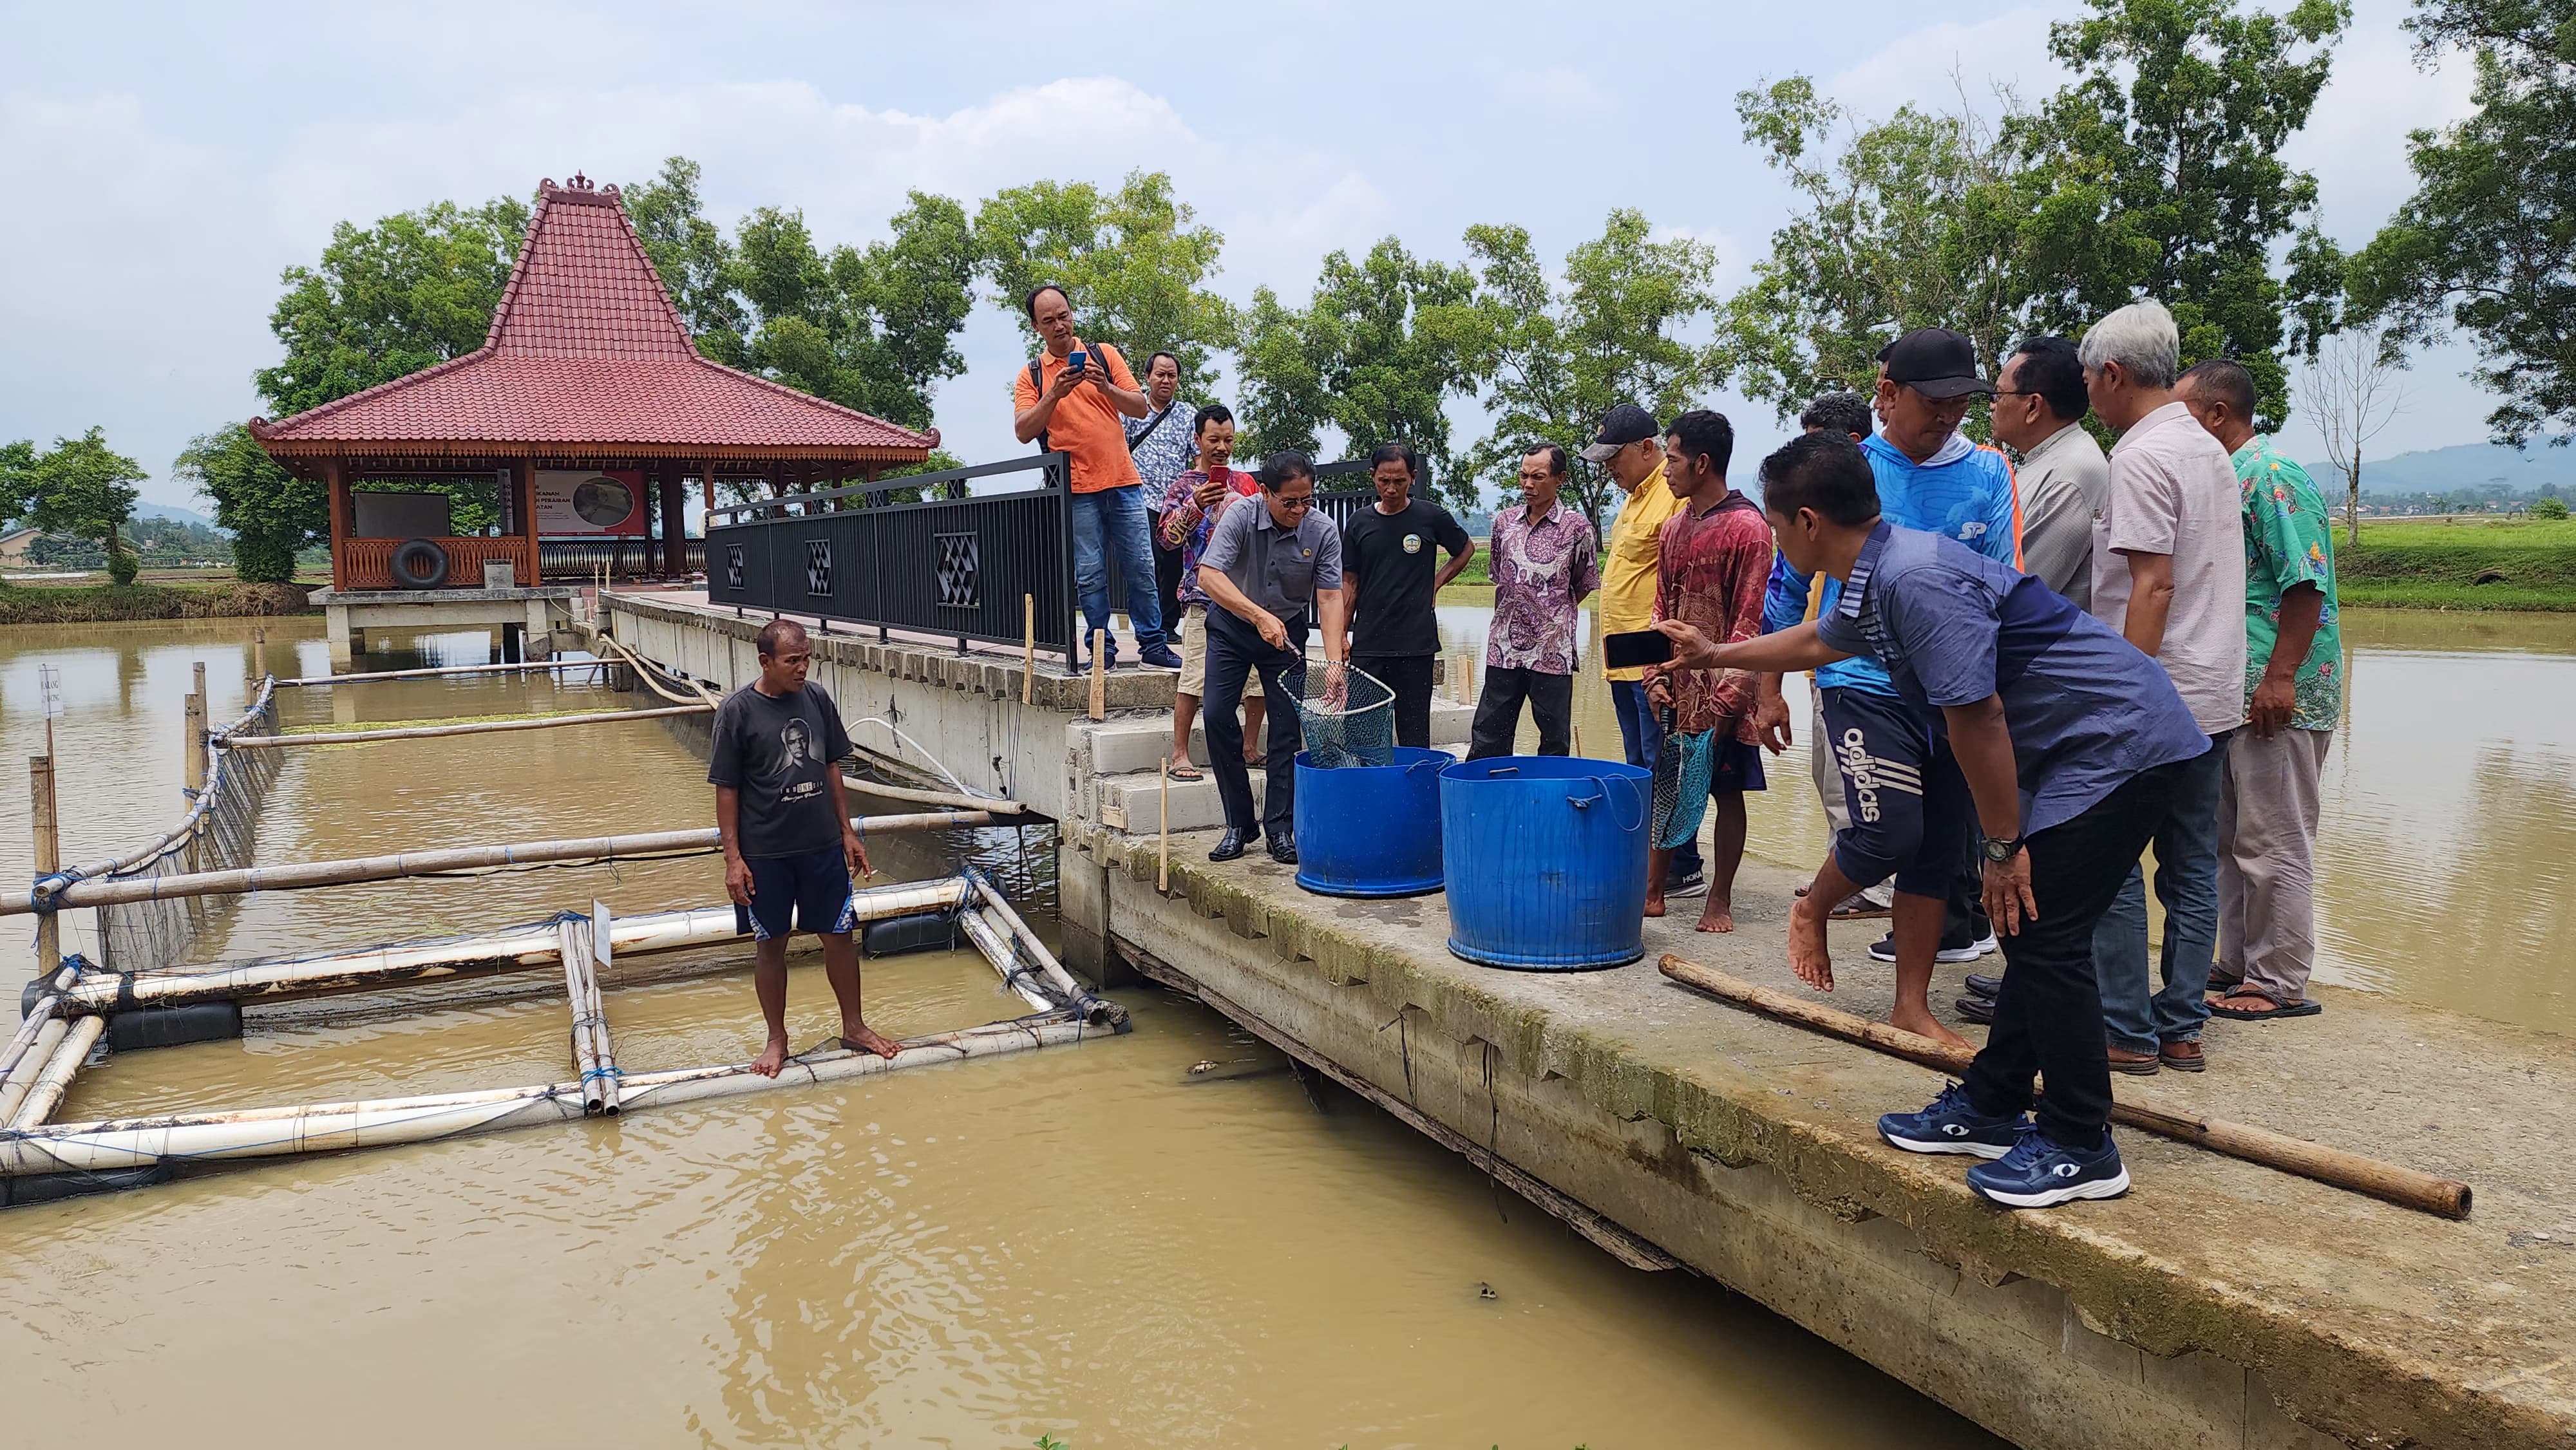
(2205,1386)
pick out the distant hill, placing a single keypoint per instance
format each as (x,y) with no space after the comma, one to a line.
(2471,466)
(174,515)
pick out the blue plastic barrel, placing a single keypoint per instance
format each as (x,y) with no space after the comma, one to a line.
(1546,859)
(1370,830)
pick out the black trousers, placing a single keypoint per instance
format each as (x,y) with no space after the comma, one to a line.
(1410,677)
(2048,1017)
(1234,650)
(1498,712)
(1167,574)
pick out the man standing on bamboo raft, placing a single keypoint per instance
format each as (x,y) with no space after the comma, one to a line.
(789,848)
(2069,747)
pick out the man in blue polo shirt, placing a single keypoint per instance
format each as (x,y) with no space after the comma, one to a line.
(2069,746)
(1929,477)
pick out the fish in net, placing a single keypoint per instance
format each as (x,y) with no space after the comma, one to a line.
(1683,768)
(1347,716)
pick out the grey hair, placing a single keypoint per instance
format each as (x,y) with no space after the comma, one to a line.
(2142,339)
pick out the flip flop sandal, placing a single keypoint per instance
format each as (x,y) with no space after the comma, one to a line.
(2247,1014)
(2183,1064)
(1187,772)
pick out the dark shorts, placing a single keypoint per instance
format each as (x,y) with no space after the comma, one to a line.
(812,889)
(1911,816)
(1738,767)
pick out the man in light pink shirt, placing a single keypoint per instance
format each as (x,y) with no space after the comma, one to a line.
(2168,573)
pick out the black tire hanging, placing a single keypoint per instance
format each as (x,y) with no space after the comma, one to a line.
(419,564)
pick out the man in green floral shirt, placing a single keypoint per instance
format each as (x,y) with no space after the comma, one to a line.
(2267,814)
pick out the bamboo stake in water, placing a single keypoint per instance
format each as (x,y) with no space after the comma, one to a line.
(2404,1187)
(602,938)
(49,858)
(1163,856)
(1099,682)
(192,751)
(1028,647)
(259,654)
(574,934)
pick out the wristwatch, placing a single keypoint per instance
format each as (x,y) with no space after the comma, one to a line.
(2000,852)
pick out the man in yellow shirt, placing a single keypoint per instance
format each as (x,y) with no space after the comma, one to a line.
(1630,446)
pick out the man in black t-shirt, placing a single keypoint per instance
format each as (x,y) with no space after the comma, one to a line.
(789,847)
(1393,583)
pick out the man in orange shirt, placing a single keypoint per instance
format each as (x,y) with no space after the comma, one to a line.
(1077,398)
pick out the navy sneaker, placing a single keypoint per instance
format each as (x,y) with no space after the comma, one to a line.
(1160,657)
(1952,1124)
(2039,1172)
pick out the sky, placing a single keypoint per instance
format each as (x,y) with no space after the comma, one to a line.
(169,161)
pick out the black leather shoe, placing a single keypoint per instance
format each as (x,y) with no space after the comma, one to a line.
(1984,986)
(1976,1009)
(1228,846)
(1283,850)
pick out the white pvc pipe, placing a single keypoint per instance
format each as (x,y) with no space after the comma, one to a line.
(336,1127)
(429,671)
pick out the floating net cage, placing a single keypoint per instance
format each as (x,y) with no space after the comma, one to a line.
(1351,725)
(216,835)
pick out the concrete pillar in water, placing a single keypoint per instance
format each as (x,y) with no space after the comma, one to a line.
(345,646)
(539,641)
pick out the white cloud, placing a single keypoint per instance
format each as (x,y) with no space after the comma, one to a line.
(1930,67)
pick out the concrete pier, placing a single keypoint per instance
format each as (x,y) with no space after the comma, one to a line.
(2219,1304)
(531,614)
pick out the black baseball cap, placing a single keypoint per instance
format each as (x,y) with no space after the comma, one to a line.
(1620,427)
(1935,362)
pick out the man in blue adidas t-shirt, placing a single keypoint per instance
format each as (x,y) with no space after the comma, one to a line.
(1928,477)
(2069,747)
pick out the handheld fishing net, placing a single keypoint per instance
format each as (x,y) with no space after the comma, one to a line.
(1683,768)
(1347,716)
(215,835)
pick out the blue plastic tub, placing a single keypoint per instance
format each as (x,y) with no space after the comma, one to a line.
(1370,830)
(1546,859)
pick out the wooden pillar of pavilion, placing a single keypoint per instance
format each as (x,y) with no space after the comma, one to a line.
(675,531)
(335,486)
(523,487)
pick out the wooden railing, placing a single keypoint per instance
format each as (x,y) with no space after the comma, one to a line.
(369,563)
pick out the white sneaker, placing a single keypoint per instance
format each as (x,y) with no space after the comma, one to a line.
(1884,949)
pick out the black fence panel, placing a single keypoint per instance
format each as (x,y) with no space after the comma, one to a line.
(960,567)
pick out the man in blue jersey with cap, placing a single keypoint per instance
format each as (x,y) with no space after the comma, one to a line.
(1930,477)
(2069,747)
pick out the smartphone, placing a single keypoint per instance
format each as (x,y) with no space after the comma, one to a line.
(1078,361)
(1631,650)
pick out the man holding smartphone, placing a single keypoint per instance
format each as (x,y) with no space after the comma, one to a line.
(1077,398)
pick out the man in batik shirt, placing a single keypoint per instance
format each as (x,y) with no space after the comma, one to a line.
(1546,563)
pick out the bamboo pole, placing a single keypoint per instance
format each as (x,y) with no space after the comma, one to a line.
(1094,1009)
(336,1127)
(573,933)
(951,799)
(47,830)
(56,1079)
(480,727)
(1028,647)
(602,935)
(23,1073)
(513,949)
(991,938)
(431,671)
(47,1008)
(2404,1187)
(303,875)
(1163,809)
(258,653)
(1099,679)
(192,749)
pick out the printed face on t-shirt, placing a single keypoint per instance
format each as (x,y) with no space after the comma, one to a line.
(796,741)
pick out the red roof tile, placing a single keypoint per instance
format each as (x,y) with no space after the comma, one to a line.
(587,350)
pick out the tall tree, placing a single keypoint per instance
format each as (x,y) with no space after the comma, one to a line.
(691,253)
(1914,221)
(272,514)
(2162,176)
(1563,354)
(2488,242)
(2351,391)
(1133,262)
(412,291)
(1375,355)
(82,488)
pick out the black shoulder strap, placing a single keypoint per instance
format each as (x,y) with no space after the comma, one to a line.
(1156,422)
(1037,384)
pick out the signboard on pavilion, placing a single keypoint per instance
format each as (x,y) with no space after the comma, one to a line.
(573,502)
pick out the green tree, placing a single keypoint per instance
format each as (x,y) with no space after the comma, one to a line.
(1132,262)
(412,291)
(873,330)
(2161,173)
(1563,354)
(82,488)
(1375,354)
(1915,221)
(695,261)
(2488,242)
(272,513)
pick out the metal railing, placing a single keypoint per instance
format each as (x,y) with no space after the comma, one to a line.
(964,567)
(627,557)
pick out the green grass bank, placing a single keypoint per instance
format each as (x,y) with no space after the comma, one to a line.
(2466,563)
(105,603)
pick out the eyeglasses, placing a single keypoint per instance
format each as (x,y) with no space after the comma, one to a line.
(1297,503)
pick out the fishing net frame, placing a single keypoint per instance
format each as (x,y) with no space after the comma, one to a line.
(218,834)
(1354,726)
(1684,767)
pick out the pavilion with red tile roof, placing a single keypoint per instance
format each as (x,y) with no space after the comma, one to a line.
(587,368)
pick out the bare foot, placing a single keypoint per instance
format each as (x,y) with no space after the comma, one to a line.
(1921,1022)
(1655,905)
(864,1038)
(772,1058)
(1717,915)
(1809,957)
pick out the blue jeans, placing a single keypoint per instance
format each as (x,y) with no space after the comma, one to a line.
(2136,1016)
(1641,736)
(1114,518)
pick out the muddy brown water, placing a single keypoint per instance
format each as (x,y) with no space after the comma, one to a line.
(2447,839)
(1094,1244)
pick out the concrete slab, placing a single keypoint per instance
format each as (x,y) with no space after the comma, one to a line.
(2220,1303)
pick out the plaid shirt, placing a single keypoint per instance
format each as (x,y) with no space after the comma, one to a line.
(1164,456)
